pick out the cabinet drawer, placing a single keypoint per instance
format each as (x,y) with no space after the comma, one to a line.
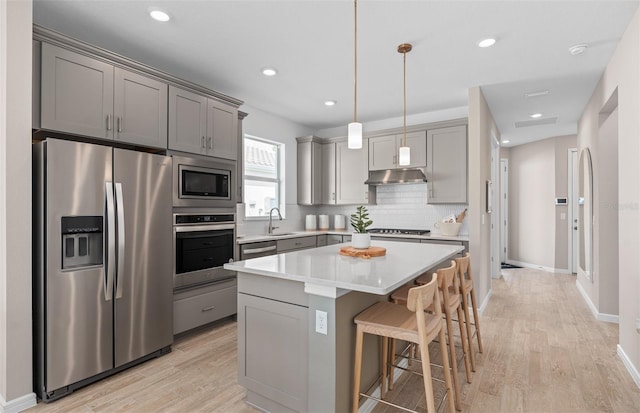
(198,310)
(321,241)
(334,239)
(291,244)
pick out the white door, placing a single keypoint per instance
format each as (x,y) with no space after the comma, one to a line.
(495,213)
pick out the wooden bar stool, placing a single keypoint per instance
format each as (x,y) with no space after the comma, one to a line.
(451,302)
(466,287)
(410,323)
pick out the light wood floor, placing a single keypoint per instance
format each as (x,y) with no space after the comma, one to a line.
(543,352)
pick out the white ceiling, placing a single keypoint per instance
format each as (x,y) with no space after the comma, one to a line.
(223,45)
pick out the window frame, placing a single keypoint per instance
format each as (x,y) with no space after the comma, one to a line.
(279,180)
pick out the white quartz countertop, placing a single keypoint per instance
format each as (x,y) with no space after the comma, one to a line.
(246,239)
(325,272)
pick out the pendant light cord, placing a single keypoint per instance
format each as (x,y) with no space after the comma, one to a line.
(404,105)
(355,60)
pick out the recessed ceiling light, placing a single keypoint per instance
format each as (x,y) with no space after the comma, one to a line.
(487,43)
(535,115)
(578,48)
(159,15)
(506,141)
(269,71)
(536,93)
(329,102)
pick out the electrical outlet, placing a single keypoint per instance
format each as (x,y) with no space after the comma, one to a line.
(321,322)
(638,325)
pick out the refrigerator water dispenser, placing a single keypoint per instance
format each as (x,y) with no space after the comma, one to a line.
(82,242)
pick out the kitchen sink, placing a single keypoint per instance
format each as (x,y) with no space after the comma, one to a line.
(281,234)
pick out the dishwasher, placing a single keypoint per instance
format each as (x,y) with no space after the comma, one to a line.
(257,249)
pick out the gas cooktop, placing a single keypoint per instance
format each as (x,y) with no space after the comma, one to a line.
(395,231)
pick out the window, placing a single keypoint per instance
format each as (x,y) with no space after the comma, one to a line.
(263,176)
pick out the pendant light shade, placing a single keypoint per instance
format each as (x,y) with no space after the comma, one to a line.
(355,128)
(404,153)
(405,156)
(355,136)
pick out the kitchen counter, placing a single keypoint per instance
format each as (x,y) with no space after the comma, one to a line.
(324,271)
(296,334)
(245,239)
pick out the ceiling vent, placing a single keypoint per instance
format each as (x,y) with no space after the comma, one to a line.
(529,95)
(545,121)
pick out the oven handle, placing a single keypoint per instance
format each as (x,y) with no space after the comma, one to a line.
(210,227)
(259,250)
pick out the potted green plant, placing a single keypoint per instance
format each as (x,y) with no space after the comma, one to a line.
(360,221)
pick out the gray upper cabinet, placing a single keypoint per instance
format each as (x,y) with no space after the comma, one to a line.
(89,97)
(447,165)
(222,128)
(328,192)
(309,173)
(351,172)
(198,124)
(383,151)
(140,107)
(76,93)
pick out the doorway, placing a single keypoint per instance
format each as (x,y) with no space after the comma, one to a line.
(504,210)
(494,195)
(573,209)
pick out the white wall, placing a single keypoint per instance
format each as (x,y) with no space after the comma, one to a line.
(15,206)
(622,74)
(481,129)
(538,235)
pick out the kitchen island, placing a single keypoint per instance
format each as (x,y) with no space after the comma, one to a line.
(295,320)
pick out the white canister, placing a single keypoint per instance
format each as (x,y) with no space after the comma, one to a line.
(338,222)
(323,222)
(310,223)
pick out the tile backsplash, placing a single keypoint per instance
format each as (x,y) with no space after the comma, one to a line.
(398,206)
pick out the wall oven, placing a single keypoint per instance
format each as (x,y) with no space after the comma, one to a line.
(200,182)
(203,243)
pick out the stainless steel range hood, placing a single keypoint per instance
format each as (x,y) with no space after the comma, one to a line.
(396,176)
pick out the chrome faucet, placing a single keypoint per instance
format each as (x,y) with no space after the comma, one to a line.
(271,227)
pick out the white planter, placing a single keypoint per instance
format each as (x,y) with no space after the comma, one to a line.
(360,241)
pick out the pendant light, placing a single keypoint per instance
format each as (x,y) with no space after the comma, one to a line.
(404,157)
(355,128)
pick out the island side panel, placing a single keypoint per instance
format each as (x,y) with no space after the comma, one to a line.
(273,342)
(331,356)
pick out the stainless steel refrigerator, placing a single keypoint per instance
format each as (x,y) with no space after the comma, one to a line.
(103,262)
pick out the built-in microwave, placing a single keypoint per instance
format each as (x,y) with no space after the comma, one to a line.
(199,182)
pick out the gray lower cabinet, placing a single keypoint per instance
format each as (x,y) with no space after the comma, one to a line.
(200,306)
(202,125)
(321,240)
(447,165)
(85,96)
(395,239)
(273,350)
(258,249)
(293,244)
(465,244)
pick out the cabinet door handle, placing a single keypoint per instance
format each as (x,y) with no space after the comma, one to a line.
(333,196)
(204,310)
(109,122)
(202,143)
(119,124)
(210,142)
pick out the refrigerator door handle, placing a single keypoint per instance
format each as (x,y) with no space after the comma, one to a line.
(111,241)
(121,239)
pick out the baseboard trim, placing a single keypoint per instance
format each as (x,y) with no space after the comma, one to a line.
(635,375)
(608,318)
(538,267)
(18,405)
(484,304)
